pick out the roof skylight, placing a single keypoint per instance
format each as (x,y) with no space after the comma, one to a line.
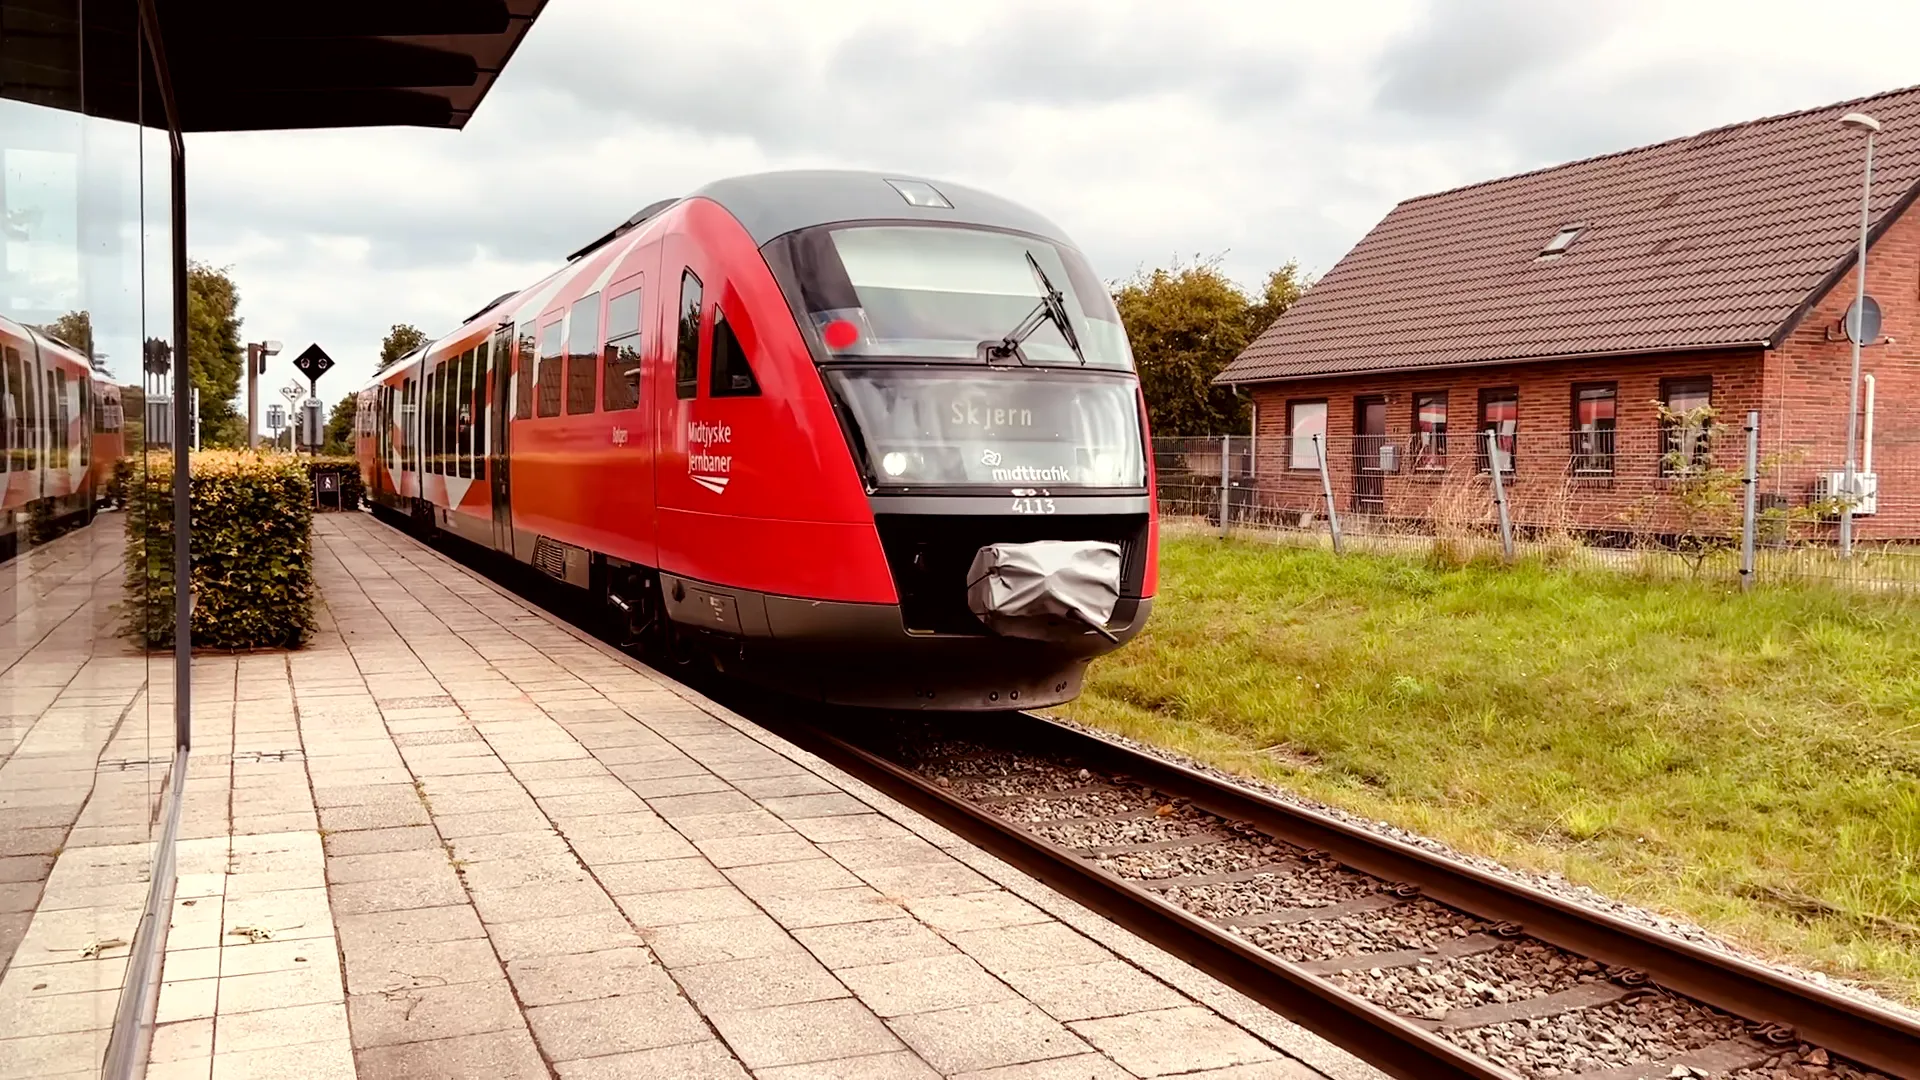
(1562,240)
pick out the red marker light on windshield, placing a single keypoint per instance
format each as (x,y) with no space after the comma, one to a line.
(839,334)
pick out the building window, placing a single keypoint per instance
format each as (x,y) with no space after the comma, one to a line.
(1562,240)
(1430,431)
(620,384)
(1595,407)
(550,373)
(1305,420)
(583,349)
(1686,424)
(1500,414)
(686,360)
(729,374)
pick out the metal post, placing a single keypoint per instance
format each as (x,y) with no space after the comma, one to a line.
(253,397)
(196,418)
(1326,488)
(1853,381)
(1226,472)
(1752,482)
(1499,491)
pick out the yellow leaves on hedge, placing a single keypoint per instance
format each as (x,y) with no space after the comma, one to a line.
(252,554)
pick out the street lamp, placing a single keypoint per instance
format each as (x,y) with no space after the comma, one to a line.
(257,353)
(1857,122)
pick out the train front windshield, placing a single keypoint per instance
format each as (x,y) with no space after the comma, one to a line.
(877,295)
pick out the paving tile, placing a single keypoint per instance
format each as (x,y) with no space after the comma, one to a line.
(1089,991)
(748,850)
(254,958)
(554,980)
(267,1028)
(859,944)
(614,1025)
(380,866)
(547,869)
(923,984)
(675,807)
(857,855)
(393,966)
(1078,1067)
(438,889)
(292,913)
(1012,948)
(377,841)
(663,786)
(855,905)
(55,1014)
(598,851)
(1173,1041)
(188,999)
(808,1032)
(783,785)
(869,826)
(987,1036)
(709,1060)
(759,982)
(1277,1069)
(185,1040)
(579,896)
(562,934)
(496,1055)
(649,910)
(719,940)
(662,875)
(513,845)
(307,984)
(932,879)
(412,926)
(787,878)
(899,1065)
(975,911)
(47,1056)
(384,815)
(312,1061)
(721,826)
(827,804)
(430,1012)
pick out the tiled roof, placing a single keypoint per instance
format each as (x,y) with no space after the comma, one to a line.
(1717,239)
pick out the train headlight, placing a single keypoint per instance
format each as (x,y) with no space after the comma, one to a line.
(894,463)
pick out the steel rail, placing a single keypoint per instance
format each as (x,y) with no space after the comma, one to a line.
(1851,1028)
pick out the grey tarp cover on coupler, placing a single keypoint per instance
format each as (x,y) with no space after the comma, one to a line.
(1046,589)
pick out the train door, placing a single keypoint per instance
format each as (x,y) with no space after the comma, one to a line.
(499,427)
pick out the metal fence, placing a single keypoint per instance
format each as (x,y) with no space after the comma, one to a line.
(1722,501)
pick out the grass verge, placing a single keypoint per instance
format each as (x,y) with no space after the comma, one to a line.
(1751,762)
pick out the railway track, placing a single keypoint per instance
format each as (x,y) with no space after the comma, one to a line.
(1425,966)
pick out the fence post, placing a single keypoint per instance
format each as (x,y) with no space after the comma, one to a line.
(1752,482)
(1499,492)
(1326,487)
(1226,471)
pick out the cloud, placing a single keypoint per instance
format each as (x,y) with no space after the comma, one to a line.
(1148,131)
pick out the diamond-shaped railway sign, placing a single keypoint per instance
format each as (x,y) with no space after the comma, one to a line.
(313,363)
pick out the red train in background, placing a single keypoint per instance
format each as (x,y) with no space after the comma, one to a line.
(873,439)
(61,430)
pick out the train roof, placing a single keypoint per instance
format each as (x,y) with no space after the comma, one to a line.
(776,203)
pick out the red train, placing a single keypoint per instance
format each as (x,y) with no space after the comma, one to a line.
(60,428)
(874,439)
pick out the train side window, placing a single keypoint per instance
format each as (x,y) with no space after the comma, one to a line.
(583,346)
(482,368)
(620,384)
(550,362)
(686,360)
(10,419)
(729,374)
(430,424)
(524,373)
(83,394)
(450,417)
(463,415)
(30,428)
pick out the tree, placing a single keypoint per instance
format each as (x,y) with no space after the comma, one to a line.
(76,329)
(340,426)
(214,354)
(401,340)
(1186,324)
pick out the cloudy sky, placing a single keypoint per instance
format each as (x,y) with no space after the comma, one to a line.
(1258,131)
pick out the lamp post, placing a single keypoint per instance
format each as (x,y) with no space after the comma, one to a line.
(257,353)
(1857,122)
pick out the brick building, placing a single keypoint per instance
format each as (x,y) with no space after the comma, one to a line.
(1557,307)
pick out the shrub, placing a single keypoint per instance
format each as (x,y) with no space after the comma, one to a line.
(120,485)
(252,556)
(348,470)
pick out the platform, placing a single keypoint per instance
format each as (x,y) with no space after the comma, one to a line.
(456,837)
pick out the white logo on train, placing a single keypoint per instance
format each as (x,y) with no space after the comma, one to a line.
(710,469)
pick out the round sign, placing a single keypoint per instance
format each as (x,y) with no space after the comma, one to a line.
(1871,332)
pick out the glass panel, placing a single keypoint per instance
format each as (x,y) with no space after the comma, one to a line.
(731,375)
(1430,431)
(1306,419)
(1593,429)
(583,346)
(686,360)
(940,291)
(620,383)
(919,427)
(550,369)
(1499,413)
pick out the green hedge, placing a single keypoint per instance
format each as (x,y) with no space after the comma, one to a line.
(252,553)
(351,487)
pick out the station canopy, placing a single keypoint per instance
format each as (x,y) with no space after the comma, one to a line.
(243,65)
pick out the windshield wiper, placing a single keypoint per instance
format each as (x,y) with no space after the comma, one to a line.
(1052,308)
